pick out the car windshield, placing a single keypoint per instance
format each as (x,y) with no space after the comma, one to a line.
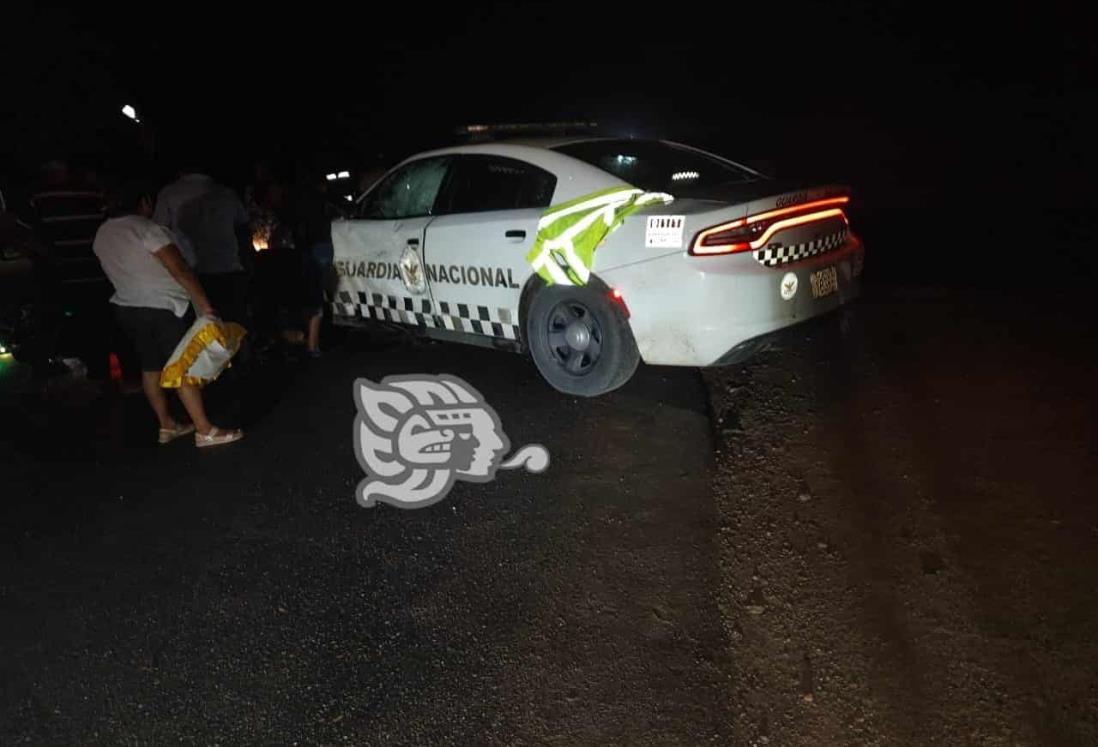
(660,167)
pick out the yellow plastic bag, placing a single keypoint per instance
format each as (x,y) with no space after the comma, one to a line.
(203,353)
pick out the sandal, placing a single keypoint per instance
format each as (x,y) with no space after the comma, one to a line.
(217,437)
(167,435)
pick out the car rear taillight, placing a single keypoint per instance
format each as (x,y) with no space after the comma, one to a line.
(754,231)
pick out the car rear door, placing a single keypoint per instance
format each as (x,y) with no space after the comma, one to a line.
(379,256)
(476,249)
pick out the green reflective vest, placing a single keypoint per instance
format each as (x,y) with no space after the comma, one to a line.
(568,234)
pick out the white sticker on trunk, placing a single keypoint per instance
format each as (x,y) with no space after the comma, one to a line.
(789,286)
(664,231)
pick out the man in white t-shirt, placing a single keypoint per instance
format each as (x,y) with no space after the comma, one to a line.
(213,222)
(153,292)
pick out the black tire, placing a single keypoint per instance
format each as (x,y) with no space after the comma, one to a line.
(557,320)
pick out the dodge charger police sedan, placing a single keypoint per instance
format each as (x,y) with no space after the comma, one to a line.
(719,258)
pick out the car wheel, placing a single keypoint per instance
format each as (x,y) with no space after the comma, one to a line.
(580,340)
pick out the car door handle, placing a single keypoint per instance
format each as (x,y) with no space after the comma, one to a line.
(413,242)
(515,234)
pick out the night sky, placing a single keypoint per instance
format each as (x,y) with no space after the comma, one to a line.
(917,106)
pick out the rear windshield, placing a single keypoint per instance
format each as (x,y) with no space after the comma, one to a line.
(656,166)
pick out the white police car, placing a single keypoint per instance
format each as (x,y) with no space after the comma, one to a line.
(442,244)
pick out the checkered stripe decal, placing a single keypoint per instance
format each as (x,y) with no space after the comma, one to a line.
(781,255)
(456,317)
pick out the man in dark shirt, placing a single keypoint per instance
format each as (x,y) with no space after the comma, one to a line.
(315,211)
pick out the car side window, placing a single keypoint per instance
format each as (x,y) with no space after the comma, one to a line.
(408,192)
(479,183)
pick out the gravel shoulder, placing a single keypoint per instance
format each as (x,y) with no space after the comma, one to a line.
(908,526)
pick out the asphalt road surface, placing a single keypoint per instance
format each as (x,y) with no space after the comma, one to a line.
(152,595)
(883,532)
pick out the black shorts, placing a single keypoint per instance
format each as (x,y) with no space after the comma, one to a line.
(154,332)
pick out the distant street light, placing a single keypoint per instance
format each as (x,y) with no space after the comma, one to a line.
(130,112)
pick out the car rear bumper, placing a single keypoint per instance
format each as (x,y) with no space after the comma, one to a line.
(705,311)
(782,337)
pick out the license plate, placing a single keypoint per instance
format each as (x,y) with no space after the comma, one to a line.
(824,282)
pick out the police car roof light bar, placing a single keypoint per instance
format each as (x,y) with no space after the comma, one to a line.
(487,131)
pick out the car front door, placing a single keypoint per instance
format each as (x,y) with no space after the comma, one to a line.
(476,249)
(379,256)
